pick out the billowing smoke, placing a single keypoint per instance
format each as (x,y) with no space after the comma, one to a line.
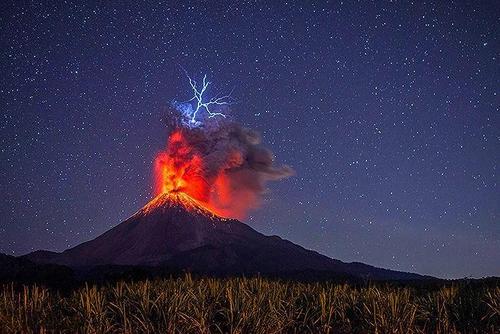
(212,159)
(224,167)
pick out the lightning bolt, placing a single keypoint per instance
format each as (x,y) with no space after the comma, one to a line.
(201,103)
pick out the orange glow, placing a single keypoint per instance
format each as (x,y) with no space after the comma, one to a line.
(224,170)
(180,169)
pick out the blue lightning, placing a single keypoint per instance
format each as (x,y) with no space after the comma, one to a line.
(198,96)
(200,102)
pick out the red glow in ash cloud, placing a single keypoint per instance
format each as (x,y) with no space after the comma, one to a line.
(225,169)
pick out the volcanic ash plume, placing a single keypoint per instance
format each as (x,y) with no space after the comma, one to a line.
(224,168)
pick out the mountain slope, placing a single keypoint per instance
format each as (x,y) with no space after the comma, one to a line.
(175,231)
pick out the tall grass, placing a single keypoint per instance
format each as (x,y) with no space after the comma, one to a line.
(254,305)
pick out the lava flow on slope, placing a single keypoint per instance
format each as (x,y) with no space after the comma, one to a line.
(178,199)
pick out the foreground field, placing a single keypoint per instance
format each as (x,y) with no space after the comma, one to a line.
(253,305)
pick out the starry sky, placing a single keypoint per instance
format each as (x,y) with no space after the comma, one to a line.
(388,112)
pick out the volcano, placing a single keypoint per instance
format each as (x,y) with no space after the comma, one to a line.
(176,231)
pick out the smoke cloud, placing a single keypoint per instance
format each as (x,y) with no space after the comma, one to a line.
(223,166)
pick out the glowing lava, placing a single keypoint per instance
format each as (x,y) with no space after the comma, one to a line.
(166,201)
(224,168)
(180,169)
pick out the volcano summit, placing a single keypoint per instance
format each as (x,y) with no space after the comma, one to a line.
(175,231)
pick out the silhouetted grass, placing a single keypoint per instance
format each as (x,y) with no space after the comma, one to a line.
(250,305)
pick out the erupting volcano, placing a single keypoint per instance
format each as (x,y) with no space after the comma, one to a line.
(210,173)
(224,168)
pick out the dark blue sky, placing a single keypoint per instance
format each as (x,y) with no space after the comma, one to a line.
(388,112)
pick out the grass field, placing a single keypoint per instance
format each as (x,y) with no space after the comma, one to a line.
(253,305)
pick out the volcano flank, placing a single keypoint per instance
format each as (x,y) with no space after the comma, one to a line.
(175,231)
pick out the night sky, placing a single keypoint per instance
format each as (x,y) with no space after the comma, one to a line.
(388,113)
